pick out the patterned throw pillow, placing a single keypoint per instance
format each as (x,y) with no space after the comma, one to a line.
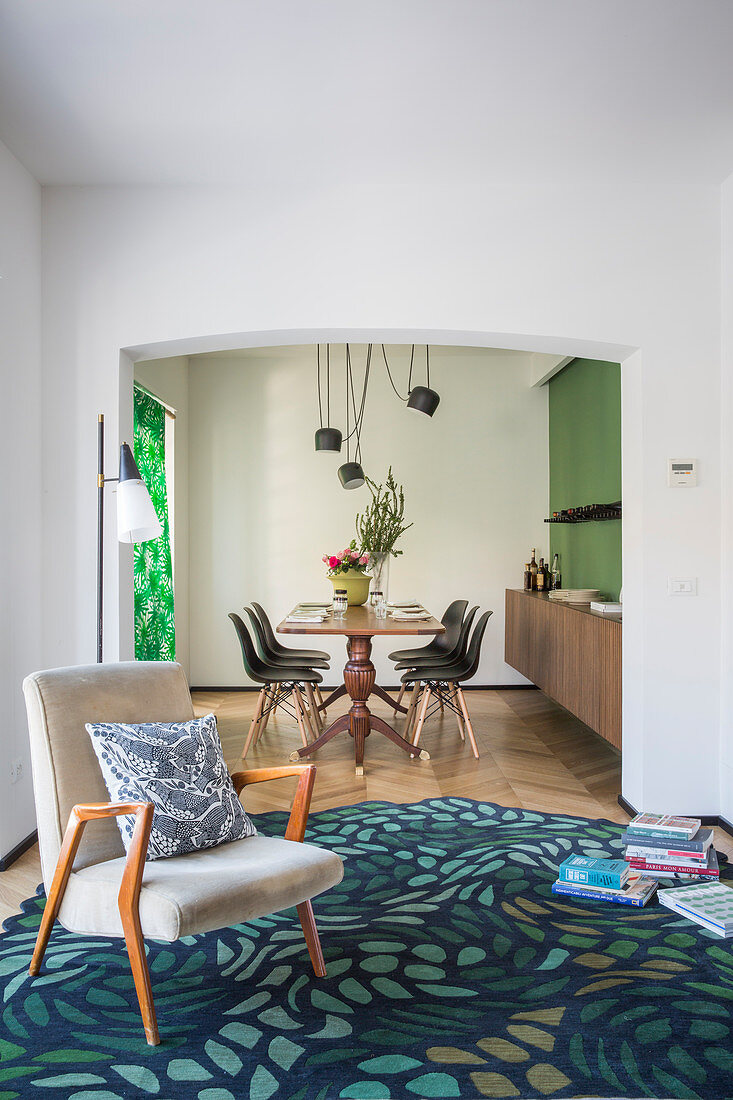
(179,767)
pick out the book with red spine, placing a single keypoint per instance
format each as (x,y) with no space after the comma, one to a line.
(709,869)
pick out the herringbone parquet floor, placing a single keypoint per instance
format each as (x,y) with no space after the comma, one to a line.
(533,754)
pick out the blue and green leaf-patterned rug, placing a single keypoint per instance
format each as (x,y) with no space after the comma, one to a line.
(453,971)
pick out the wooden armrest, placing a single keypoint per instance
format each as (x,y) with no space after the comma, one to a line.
(301,803)
(90,811)
(132,875)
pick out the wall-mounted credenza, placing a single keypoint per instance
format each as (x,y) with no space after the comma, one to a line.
(571,653)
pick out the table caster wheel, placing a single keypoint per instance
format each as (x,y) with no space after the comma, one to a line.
(424,754)
(359,770)
(294,757)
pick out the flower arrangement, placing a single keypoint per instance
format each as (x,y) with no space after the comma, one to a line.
(383,521)
(350,558)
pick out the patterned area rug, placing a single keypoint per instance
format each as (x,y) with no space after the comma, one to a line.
(452,972)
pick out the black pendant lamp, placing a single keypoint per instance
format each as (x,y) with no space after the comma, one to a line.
(422,398)
(351,474)
(327,438)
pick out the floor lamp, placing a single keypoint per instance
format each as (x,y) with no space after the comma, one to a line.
(137,520)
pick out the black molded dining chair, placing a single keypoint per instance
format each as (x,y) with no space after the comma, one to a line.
(309,655)
(287,662)
(281,686)
(440,646)
(455,653)
(443,682)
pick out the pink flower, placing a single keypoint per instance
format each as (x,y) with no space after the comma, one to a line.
(325,557)
(333,562)
(341,555)
(354,555)
(363,559)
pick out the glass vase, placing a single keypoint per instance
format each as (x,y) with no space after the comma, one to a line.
(379,569)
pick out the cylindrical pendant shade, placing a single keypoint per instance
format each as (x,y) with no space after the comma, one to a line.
(351,475)
(423,400)
(328,439)
(137,520)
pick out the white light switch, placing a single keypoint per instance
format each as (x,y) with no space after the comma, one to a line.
(682,586)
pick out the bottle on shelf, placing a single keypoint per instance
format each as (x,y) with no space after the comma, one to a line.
(556,579)
(533,571)
(527,578)
(541,576)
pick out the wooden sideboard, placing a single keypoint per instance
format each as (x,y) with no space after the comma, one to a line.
(571,653)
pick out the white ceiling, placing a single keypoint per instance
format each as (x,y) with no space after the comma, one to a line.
(191,91)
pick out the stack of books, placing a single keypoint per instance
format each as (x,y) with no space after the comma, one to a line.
(603,880)
(662,846)
(709,905)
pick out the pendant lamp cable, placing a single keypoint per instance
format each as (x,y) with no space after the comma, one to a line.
(318,367)
(427,363)
(409,378)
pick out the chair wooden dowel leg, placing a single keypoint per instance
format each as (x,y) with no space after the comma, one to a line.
(300,714)
(412,710)
(459,719)
(269,697)
(423,712)
(308,924)
(254,722)
(467,720)
(313,712)
(400,697)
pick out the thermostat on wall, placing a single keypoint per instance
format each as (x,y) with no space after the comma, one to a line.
(681,472)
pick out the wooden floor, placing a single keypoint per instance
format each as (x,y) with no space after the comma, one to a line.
(533,754)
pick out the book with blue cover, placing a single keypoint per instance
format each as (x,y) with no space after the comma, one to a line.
(637,891)
(594,871)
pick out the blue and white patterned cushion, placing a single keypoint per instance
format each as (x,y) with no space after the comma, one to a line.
(179,767)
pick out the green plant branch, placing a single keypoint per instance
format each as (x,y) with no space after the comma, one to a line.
(381,523)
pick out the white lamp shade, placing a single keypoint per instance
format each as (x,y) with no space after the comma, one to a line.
(137,520)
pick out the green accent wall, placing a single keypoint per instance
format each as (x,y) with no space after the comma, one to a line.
(585,468)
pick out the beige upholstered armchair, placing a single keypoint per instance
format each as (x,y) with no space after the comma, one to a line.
(94,888)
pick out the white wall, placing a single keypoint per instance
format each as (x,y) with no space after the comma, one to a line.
(20,485)
(266,507)
(570,267)
(168,380)
(726,665)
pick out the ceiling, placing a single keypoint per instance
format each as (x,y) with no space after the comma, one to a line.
(212,91)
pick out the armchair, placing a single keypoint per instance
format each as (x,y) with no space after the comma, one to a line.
(94,888)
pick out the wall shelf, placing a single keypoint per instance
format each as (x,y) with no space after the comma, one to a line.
(587,513)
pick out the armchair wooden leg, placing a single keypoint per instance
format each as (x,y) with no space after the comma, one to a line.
(308,924)
(129,905)
(140,973)
(69,848)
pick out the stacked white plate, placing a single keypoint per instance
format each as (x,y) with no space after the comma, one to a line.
(582,595)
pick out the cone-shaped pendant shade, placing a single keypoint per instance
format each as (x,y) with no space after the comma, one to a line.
(137,520)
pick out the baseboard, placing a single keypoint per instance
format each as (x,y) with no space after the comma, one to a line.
(18,850)
(387,687)
(705,819)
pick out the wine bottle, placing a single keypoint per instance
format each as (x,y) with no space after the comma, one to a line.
(556,578)
(533,571)
(527,578)
(541,576)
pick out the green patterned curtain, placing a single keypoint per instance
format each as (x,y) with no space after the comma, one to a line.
(155,630)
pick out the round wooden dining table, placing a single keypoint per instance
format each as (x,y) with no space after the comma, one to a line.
(359,625)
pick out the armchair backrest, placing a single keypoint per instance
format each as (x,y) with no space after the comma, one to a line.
(65,769)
